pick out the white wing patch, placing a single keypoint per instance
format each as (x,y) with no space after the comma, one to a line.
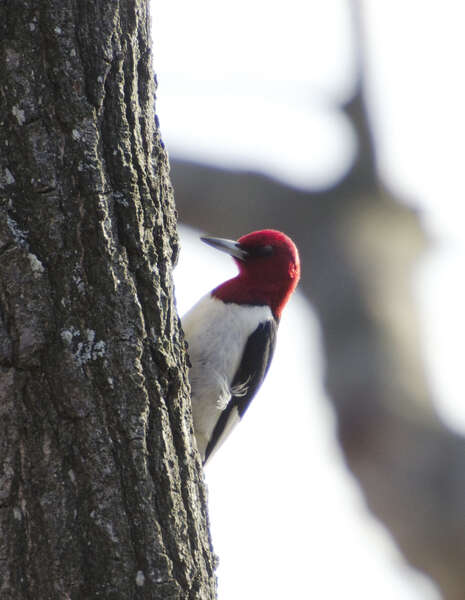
(224,391)
(241,389)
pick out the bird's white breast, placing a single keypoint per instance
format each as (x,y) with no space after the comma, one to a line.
(217,333)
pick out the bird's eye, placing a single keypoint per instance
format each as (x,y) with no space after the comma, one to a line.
(259,251)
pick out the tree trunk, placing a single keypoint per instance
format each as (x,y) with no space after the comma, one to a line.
(101,493)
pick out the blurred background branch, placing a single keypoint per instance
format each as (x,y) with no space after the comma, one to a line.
(360,245)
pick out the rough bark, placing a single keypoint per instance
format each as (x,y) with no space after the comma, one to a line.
(101,493)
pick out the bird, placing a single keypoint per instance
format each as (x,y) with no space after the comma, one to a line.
(231,332)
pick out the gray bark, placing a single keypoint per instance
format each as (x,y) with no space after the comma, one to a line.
(101,492)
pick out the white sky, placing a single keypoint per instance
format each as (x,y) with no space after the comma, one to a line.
(247,85)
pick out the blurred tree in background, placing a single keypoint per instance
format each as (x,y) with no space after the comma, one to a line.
(359,245)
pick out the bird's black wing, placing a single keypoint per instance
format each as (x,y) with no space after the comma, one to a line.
(254,365)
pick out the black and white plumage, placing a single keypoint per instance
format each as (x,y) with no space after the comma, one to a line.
(228,364)
(231,333)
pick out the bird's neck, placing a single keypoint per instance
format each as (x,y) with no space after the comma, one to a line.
(248,291)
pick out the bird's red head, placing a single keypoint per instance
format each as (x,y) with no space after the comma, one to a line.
(269,269)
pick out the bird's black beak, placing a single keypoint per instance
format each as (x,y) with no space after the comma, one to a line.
(229,246)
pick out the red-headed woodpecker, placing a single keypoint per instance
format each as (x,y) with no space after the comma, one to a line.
(231,332)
